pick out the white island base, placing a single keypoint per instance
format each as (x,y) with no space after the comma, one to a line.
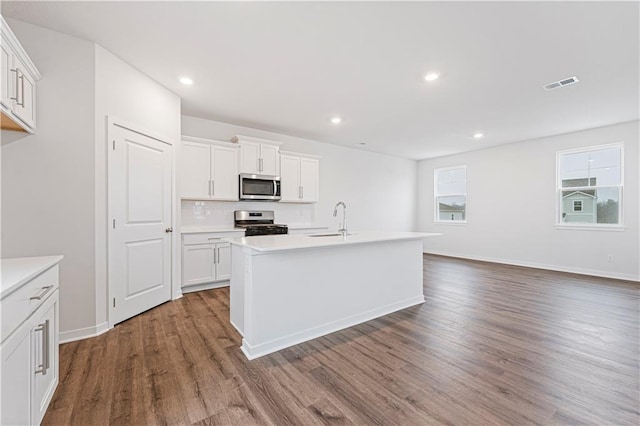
(287,289)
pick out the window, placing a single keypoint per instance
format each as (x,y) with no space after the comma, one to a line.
(589,187)
(450,189)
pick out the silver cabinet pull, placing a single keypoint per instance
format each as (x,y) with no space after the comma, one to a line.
(42,367)
(215,256)
(47,337)
(17,78)
(302,192)
(22,90)
(44,291)
(213,188)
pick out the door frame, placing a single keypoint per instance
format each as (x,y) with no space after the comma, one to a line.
(113,122)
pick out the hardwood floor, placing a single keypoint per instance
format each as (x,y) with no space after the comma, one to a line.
(493,344)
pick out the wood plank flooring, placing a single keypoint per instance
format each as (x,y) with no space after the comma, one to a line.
(493,344)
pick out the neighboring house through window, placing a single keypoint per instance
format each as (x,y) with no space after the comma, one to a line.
(589,186)
(450,189)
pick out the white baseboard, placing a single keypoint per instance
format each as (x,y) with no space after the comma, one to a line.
(207,286)
(558,268)
(83,333)
(236,327)
(253,352)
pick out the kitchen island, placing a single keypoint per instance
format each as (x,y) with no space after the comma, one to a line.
(287,289)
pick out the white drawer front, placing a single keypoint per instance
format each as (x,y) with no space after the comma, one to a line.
(206,238)
(20,304)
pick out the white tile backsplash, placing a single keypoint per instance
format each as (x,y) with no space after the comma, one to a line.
(220,213)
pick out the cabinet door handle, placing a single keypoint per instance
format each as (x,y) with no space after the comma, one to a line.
(213,188)
(302,192)
(21,90)
(41,367)
(17,78)
(215,256)
(47,337)
(44,291)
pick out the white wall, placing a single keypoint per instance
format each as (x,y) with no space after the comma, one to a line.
(379,190)
(48,178)
(54,183)
(124,93)
(511,207)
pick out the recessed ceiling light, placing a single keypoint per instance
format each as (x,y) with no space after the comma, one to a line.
(336,120)
(363,143)
(186,81)
(478,135)
(432,76)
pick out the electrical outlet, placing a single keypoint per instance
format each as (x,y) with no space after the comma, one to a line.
(610,258)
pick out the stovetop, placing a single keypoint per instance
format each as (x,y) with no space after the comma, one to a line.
(258,223)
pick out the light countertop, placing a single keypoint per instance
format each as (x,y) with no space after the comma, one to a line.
(17,271)
(307,226)
(271,243)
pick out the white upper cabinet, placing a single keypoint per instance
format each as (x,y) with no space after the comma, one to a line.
(289,178)
(19,76)
(250,158)
(224,172)
(270,159)
(208,170)
(258,156)
(299,177)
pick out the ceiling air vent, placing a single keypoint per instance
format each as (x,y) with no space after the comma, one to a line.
(561,83)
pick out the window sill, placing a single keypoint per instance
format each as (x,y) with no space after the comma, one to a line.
(615,228)
(454,223)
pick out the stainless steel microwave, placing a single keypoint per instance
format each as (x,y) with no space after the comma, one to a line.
(259,187)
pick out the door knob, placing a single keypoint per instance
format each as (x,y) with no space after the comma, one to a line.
(168,230)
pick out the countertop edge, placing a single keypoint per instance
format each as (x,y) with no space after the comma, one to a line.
(48,262)
(333,243)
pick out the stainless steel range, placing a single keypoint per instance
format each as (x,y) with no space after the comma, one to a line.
(258,222)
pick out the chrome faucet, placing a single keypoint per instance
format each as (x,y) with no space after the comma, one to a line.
(342,230)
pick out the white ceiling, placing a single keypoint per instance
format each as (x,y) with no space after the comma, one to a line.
(290,67)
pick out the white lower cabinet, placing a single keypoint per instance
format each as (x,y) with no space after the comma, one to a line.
(16,374)
(206,260)
(29,351)
(44,344)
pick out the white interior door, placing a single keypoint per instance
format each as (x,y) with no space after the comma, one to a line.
(140,223)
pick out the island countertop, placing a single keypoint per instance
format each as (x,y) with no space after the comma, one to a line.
(273,243)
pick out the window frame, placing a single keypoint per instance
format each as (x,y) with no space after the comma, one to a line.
(436,215)
(559,189)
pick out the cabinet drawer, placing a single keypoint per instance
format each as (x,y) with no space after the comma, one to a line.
(207,238)
(17,306)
